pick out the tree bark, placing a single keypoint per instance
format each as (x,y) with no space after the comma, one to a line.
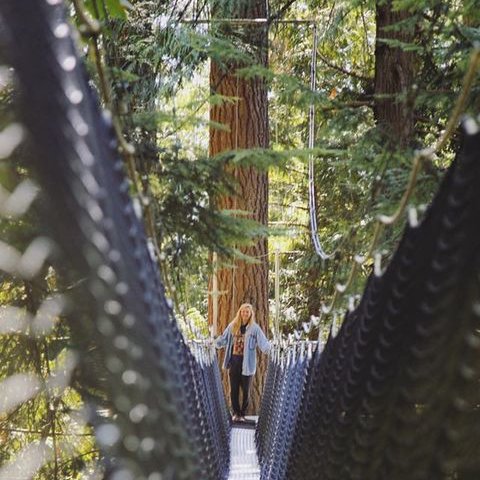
(247,127)
(394,77)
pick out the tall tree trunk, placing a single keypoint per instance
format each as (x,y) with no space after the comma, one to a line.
(247,122)
(394,76)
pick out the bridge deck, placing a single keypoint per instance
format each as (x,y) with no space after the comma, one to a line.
(243,455)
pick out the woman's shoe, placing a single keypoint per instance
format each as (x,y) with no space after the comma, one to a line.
(235,418)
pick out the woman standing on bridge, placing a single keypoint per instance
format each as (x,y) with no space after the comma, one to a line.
(241,339)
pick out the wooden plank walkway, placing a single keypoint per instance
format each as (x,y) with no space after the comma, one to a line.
(243,454)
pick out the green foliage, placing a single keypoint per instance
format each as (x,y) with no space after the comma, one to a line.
(185,205)
(356,176)
(370,179)
(109,8)
(194,324)
(54,413)
(154,61)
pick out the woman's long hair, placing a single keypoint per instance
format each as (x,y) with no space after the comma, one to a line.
(237,321)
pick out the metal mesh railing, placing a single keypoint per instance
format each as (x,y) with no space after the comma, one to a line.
(396,393)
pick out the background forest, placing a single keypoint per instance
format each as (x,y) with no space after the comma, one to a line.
(387,76)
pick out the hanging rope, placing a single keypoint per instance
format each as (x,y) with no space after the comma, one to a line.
(311,142)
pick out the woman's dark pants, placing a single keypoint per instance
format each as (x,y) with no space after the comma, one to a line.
(237,381)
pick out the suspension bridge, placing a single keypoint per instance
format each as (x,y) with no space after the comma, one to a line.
(393,394)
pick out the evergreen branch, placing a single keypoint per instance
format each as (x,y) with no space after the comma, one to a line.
(127,149)
(424,154)
(351,104)
(92,26)
(279,14)
(288,224)
(76,457)
(344,70)
(27,431)
(282,205)
(427,153)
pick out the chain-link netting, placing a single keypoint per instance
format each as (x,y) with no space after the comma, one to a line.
(167,417)
(286,377)
(396,393)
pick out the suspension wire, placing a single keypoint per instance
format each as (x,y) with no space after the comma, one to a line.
(251,21)
(311,143)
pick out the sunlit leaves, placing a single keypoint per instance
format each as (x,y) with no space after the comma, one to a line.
(109,8)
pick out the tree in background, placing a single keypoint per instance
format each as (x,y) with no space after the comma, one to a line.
(394,74)
(244,125)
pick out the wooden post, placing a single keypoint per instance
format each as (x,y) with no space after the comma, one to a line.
(215,294)
(277,294)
